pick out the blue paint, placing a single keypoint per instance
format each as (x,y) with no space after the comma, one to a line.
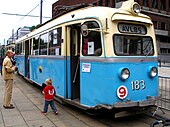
(51,68)
(20,63)
(100,85)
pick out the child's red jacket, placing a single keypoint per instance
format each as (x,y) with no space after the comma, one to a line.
(48,93)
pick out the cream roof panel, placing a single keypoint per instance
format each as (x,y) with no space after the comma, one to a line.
(140,18)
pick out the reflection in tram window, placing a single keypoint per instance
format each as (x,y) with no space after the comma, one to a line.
(134,46)
(43,44)
(91,44)
(55,42)
(35,45)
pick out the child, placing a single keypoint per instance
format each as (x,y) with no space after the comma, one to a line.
(48,92)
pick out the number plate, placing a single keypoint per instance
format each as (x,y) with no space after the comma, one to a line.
(138,85)
(122,92)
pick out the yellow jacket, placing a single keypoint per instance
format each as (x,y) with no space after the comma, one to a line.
(7,69)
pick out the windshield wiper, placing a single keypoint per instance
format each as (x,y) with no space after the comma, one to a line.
(149,52)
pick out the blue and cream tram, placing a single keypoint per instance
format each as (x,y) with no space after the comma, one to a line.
(97,57)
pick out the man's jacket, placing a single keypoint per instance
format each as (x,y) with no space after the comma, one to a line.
(7,69)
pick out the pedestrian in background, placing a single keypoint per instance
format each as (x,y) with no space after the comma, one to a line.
(49,93)
(8,75)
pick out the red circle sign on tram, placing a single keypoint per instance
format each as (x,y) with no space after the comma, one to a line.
(122,92)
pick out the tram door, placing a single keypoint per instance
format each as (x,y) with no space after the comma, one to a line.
(74,61)
(27,53)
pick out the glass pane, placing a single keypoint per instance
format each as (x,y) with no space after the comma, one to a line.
(43,44)
(55,42)
(92,43)
(133,45)
(20,48)
(35,45)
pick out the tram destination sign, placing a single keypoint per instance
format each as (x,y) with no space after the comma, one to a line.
(131,28)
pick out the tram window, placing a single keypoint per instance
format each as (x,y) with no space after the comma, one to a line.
(133,45)
(17,49)
(43,44)
(23,48)
(91,44)
(20,48)
(55,42)
(35,45)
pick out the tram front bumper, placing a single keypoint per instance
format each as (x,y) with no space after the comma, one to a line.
(149,102)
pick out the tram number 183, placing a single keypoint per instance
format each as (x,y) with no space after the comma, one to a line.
(137,85)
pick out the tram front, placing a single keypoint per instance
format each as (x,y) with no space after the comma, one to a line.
(126,74)
(135,57)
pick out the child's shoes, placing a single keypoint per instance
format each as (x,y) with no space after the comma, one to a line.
(44,113)
(56,113)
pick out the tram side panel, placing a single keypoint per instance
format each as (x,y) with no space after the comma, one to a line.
(100,82)
(42,68)
(20,63)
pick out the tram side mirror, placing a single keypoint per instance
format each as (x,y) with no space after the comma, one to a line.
(84,30)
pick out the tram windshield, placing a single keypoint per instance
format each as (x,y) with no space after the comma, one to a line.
(126,45)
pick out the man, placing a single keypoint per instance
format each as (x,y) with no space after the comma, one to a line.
(8,75)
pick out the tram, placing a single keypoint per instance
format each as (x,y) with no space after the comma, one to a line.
(98,57)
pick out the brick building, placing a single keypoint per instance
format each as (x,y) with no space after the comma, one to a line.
(158,10)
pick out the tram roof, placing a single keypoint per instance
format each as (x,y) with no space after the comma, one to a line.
(90,12)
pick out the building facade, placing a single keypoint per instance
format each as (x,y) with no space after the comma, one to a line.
(19,33)
(158,10)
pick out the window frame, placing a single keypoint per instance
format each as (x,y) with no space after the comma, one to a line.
(123,35)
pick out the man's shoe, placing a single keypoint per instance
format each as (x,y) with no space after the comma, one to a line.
(11,104)
(8,107)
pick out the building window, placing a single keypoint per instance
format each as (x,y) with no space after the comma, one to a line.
(162,26)
(107,3)
(168,51)
(155,23)
(162,4)
(154,4)
(100,2)
(163,39)
(164,50)
(145,3)
(55,42)
(168,39)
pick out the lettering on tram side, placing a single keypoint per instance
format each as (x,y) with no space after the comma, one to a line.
(131,28)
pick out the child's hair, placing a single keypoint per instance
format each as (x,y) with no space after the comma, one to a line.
(49,81)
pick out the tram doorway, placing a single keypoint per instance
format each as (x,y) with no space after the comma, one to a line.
(74,61)
(27,53)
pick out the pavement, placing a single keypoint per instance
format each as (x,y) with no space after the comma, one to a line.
(27,111)
(164,70)
(28,102)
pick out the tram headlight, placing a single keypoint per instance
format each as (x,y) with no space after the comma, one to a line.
(153,71)
(124,73)
(136,8)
